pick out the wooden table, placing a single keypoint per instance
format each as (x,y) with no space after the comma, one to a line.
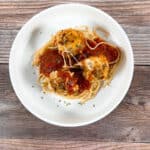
(127,127)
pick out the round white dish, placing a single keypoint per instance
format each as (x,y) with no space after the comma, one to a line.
(48,107)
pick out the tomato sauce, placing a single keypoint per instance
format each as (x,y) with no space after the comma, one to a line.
(50,61)
(110,52)
(69,81)
(81,81)
(64,75)
(72,81)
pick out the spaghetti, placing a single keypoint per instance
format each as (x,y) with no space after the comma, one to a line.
(75,63)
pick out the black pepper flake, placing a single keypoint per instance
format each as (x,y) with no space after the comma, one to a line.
(42,97)
(57,105)
(59,100)
(93,105)
(80,103)
(68,104)
(32,86)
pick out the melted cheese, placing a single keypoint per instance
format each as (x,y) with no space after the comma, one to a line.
(70,40)
(95,66)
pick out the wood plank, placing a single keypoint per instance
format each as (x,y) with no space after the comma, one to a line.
(130,122)
(6,40)
(133,15)
(31,144)
(18,11)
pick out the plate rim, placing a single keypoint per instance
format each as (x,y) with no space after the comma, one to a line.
(56,123)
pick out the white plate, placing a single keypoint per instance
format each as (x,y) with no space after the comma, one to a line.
(47,107)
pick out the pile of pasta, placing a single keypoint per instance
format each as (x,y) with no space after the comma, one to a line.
(76,63)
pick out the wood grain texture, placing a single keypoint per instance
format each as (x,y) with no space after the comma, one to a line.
(30,144)
(133,15)
(130,122)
